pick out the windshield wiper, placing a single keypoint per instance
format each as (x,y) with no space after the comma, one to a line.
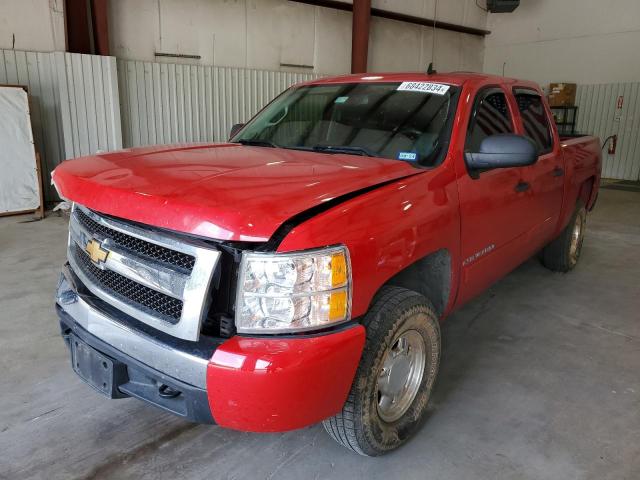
(257,143)
(343,149)
(349,150)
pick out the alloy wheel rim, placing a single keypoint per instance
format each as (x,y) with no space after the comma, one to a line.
(576,239)
(401,374)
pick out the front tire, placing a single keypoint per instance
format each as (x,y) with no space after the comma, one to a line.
(393,383)
(563,253)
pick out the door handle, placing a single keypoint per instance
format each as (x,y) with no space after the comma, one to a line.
(558,172)
(522,187)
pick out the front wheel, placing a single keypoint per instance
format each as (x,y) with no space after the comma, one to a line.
(395,377)
(563,253)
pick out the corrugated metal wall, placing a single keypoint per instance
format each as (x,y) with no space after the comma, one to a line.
(598,114)
(167,103)
(90,105)
(74,104)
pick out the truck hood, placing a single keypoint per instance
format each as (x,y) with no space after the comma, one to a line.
(222,191)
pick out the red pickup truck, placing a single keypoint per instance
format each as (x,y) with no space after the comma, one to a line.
(298,274)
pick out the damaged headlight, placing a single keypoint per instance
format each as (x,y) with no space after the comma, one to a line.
(291,292)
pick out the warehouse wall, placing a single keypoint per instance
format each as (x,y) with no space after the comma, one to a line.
(588,42)
(266,34)
(73,101)
(580,41)
(32,25)
(599,115)
(168,103)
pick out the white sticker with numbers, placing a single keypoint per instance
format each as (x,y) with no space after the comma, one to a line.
(424,87)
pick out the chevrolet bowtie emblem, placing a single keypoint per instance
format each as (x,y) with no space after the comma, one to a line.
(96,253)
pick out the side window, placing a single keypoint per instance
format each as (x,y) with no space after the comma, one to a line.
(490,117)
(534,119)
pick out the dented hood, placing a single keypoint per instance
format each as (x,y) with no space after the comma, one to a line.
(224,191)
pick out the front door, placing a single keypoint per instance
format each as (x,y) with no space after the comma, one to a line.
(547,174)
(494,205)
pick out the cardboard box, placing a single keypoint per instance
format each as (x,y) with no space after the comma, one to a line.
(562,94)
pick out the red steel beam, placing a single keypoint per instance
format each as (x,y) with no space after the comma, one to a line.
(360,35)
(77,26)
(87,26)
(99,17)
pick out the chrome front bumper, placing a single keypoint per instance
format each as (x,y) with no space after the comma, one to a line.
(162,357)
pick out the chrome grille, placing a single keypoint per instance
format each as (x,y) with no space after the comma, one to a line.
(129,290)
(158,278)
(151,250)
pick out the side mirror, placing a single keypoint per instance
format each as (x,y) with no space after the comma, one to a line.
(503,151)
(235,129)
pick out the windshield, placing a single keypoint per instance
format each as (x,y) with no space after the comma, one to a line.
(377,119)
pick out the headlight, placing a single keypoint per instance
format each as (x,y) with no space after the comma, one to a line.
(291,292)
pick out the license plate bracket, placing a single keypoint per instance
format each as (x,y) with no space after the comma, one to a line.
(101,372)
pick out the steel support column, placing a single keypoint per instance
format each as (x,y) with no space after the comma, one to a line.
(77,26)
(99,17)
(360,35)
(87,27)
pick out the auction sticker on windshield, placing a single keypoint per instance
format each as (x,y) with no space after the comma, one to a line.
(424,87)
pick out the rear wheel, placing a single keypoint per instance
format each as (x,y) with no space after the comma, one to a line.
(563,253)
(395,377)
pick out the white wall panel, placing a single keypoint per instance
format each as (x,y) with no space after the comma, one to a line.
(598,114)
(37,72)
(18,183)
(32,25)
(169,103)
(74,104)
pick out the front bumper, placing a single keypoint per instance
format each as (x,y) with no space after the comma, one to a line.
(142,381)
(255,384)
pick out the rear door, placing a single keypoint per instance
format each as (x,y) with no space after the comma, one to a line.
(494,204)
(547,174)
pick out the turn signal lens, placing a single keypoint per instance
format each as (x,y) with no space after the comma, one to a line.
(338,270)
(338,306)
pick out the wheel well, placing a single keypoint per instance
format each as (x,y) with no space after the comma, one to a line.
(429,276)
(586,190)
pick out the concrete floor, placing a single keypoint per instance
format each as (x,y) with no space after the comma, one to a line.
(539,380)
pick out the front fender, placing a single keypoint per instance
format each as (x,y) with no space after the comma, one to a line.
(388,229)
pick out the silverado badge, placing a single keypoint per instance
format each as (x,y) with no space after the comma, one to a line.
(96,253)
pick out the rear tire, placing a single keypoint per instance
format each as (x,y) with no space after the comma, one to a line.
(393,383)
(563,253)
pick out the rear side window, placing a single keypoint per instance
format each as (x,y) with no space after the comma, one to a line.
(490,117)
(534,119)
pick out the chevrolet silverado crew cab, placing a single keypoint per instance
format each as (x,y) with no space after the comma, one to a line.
(299,273)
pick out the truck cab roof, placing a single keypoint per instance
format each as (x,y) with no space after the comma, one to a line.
(454,78)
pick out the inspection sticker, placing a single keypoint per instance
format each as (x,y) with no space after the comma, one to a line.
(424,87)
(407,155)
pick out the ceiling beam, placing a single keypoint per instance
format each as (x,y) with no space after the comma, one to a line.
(401,17)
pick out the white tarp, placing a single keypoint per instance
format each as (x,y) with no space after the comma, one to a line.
(18,174)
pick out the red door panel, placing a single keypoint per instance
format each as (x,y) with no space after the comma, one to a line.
(495,226)
(547,174)
(494,207)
